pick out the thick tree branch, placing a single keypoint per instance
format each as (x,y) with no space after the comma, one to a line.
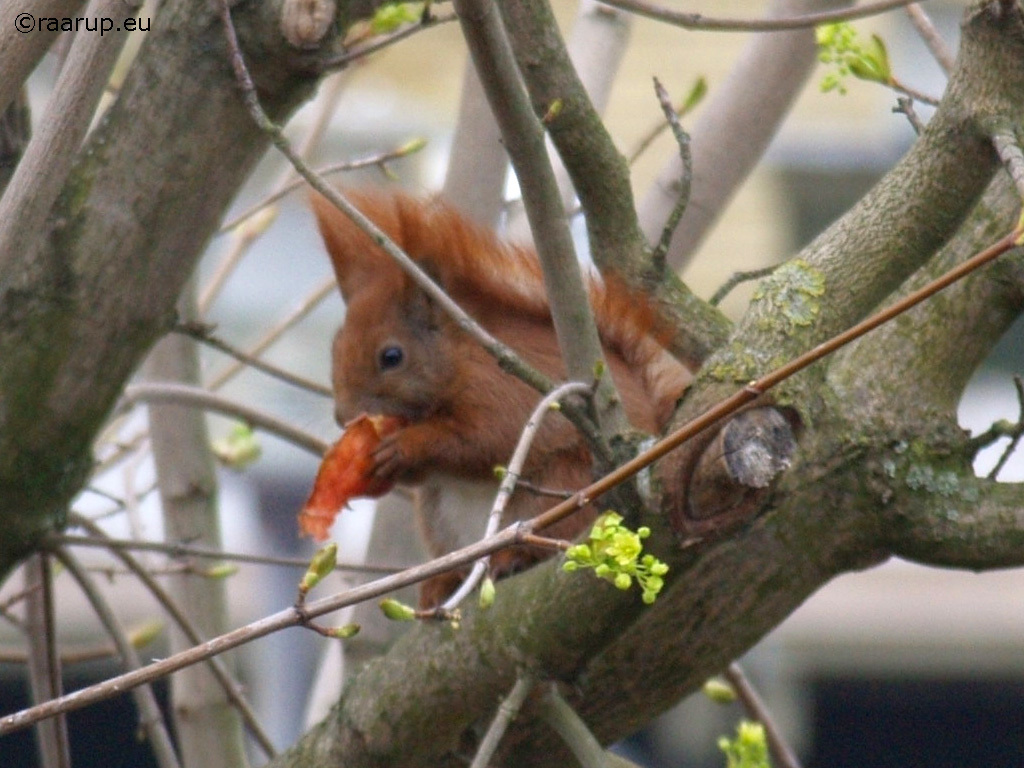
(903,220)
(952,519)
(43,170)
(524,139)
(20,48)
(922,361)
(601,178)
(208,726)
(137,210)
(478,165)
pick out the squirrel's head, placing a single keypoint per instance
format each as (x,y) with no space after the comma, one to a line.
(394,354)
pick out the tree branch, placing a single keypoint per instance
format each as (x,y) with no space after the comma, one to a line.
(600,176)
(138,207)
(524,139)
(478,164)
(952,519)
(699,21)
(183,394)
(926,366)
(904,219)
(208,725)
(150,717)
(733,130)
(48,158)
(21,49)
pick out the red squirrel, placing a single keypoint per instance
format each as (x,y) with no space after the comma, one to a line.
(399,354)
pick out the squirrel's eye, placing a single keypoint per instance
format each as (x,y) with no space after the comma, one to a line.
(390,357)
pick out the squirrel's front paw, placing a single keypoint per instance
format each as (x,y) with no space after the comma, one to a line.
(389,460)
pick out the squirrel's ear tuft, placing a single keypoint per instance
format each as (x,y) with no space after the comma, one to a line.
(354,255)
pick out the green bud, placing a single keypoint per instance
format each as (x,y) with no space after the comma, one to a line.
(578,552)
(345,631)
(390,17)
(487,592)
(321,566)
(221,571)
(141,636)
(749,749)
(553,111)
(239,449)
(719,691)
(697,93)
(397,611)
(411,146)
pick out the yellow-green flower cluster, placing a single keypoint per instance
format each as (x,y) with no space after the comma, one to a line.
(749,749)
(616,555)
(839,46)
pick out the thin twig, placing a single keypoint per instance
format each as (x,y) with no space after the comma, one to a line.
(204,334)
(12,600)
(1016,434)
(242,240)
(537,490)
(905,106)
(736,279)
(756,709)
(685,179)
(931,37)
(427,21)
(648,138)
(307,305)
(699,21)
(216,666)
(509,481)
(182,394)
(557,713)
(378,159)
(913,93)
(150,716)
(185,551)
(44,663)
(67,658)
(1006,144)
(507,712)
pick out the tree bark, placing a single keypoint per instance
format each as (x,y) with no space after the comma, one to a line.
(95,286)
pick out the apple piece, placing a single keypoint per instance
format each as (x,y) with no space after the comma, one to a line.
(345,473)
